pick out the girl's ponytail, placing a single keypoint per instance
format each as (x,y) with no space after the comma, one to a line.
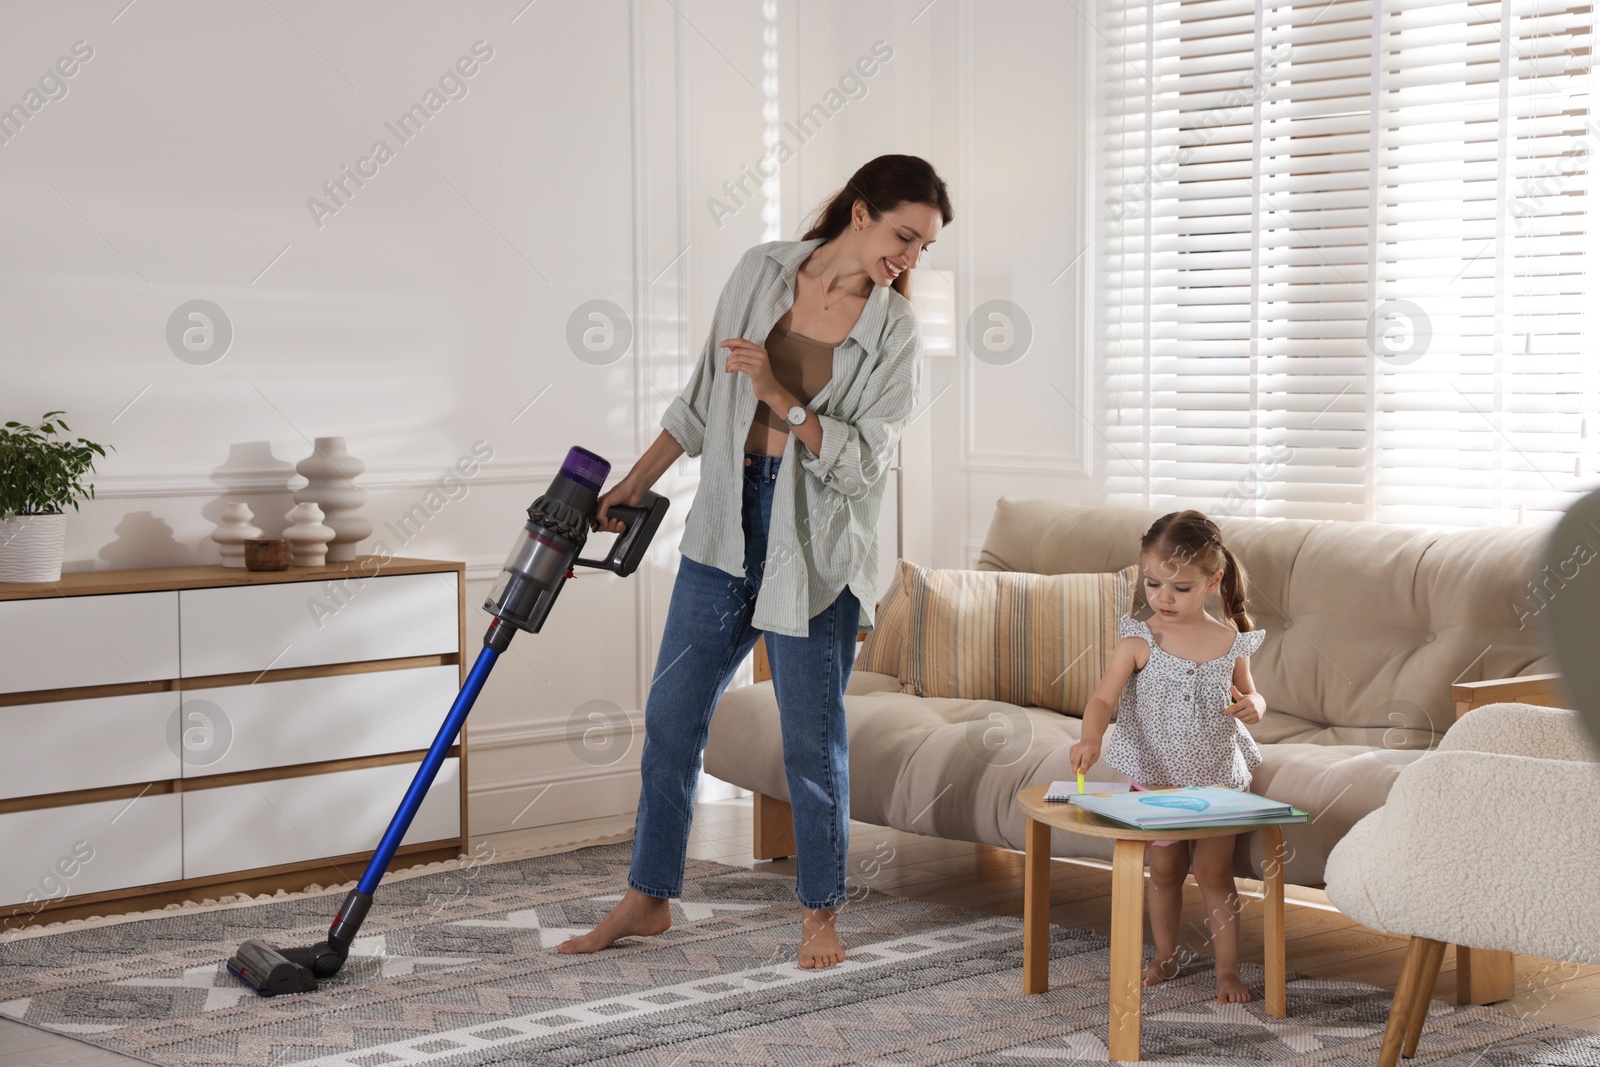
(1232,591)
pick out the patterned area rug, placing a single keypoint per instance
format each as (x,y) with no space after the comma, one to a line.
(458,969)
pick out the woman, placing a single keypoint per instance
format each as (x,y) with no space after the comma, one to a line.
(795,423)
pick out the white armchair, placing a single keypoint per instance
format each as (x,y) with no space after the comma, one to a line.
(1492,841)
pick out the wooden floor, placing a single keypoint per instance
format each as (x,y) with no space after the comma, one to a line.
(1321,942)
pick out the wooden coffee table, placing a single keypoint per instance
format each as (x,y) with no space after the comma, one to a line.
(1127,906)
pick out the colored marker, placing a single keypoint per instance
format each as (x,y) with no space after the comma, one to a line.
(1080,781)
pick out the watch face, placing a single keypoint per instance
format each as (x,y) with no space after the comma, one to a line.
(797,415)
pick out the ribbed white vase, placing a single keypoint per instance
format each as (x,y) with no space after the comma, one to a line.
(308,535)
(31,547)
(330,470)
(233,531)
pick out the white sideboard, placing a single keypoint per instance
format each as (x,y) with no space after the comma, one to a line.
(186,732)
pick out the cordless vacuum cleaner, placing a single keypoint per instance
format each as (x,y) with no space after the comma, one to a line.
(540,563)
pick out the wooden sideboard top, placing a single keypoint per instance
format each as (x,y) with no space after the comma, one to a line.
(154,579)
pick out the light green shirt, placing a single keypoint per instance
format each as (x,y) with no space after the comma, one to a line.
(824,533)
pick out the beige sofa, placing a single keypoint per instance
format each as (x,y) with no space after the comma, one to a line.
(1378,637)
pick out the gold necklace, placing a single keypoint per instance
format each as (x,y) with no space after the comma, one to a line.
(826,306)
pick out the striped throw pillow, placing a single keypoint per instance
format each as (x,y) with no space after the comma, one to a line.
(1036,640)
(884,646)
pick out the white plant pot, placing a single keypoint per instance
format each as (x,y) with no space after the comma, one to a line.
(31,547)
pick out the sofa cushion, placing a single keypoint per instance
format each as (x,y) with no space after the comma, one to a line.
(883,648)
(1030,640)
(1337,784)
(1431,606)
(942,766)
(952,768)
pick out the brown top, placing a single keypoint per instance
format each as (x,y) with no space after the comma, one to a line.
(803,367)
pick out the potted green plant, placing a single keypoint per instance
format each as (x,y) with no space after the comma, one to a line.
(41,473)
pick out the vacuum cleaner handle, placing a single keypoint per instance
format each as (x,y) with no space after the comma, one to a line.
(639,526)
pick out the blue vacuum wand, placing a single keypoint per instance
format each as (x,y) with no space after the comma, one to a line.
(540,563)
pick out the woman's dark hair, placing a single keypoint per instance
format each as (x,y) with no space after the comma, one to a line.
(1190,537)
(884,184)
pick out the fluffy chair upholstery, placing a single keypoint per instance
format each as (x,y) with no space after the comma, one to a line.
(1490,842)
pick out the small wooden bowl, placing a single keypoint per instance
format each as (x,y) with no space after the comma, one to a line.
(267,554)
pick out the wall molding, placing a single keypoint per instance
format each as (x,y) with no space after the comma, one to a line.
(584,775)
(974,459)
(118,485)
(517,735)
(982,462)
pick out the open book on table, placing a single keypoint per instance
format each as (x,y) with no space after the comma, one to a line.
(1190,806)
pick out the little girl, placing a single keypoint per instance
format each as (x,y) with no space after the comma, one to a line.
(1181,684)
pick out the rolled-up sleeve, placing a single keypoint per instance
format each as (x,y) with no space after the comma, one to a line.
(855,454)
(685,418)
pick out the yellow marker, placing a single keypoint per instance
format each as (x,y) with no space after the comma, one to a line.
(1080,781)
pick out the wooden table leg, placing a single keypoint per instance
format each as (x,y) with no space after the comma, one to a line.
(1127,947)
(1273,962)
(1036,909)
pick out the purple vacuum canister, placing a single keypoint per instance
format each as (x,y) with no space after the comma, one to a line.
(585,468)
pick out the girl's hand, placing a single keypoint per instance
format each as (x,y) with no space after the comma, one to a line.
(751,359)
(1083,755)
(625,493)
(1246,707)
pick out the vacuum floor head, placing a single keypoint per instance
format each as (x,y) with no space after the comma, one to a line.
(267,971)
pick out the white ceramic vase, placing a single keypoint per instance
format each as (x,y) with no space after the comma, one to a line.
(233,531)
(308,537)
(330,471)
(31,547)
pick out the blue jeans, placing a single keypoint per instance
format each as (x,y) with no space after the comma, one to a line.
(708,634)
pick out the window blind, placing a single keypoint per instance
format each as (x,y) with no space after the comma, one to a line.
(1347,258)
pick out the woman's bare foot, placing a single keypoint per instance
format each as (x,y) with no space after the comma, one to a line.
(1159,969)
(819,938)
(636,914)
(1229,989)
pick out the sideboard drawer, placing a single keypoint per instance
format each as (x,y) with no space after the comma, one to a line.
(87,744)
(303,624)
(290,820)
(62,642)
(275,724)
(127,843)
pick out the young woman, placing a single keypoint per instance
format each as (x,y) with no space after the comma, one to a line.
(810,373)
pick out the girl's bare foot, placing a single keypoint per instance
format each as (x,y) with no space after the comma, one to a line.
(819,938)
(636,914)
(1159,969)
(1229,989)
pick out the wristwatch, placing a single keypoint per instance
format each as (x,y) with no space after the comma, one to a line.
(796,415)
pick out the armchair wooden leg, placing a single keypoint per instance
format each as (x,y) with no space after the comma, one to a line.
(1483,976)
(1432,955)
(774,829)
(1405,996)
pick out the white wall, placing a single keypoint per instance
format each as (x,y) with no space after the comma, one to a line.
(1016,101)
(996,96)
(429,314)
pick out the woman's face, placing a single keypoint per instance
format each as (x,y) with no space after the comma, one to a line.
(895,243)
(1177,590)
